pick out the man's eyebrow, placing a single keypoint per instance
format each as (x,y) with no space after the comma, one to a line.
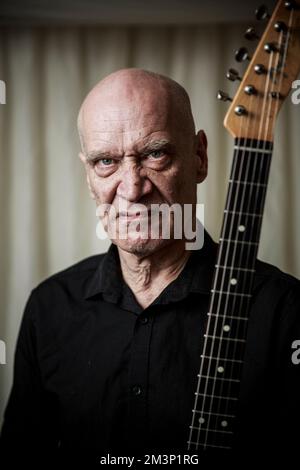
(94,155)
(157,144)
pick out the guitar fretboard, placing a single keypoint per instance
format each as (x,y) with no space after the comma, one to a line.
(217,393)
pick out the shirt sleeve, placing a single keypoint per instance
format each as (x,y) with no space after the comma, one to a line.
(287,378)
(28,427)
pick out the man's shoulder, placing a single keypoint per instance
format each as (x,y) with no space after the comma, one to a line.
(81,268)
(72,279)
(272,280)
(266,271)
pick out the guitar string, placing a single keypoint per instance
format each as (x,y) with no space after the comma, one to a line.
(258,163)
(261,159)
(211,309)
(267,128)
(237,168)
(267,165)
(264,140)
(235,254)
(268,158)
(288,36)
(208,329)
(236,193)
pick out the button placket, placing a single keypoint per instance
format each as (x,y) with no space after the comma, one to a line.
(143,320)
(138,374)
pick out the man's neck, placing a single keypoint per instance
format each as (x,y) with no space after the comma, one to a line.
(147,276)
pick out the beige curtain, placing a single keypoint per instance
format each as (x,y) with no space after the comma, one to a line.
(47,219)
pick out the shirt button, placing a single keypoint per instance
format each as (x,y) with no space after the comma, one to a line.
(144,320)
(136,390)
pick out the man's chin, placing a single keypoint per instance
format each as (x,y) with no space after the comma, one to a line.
(140,246)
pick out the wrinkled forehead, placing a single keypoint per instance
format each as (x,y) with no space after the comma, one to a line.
(126,112)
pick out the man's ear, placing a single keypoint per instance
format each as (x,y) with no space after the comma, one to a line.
(201,152)
(83,159)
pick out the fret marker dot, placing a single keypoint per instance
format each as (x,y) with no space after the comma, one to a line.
(224,424)
(241,228)
(233,281)
(201,420)
(226,327)
(220,369)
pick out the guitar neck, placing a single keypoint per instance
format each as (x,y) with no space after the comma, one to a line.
(217,393)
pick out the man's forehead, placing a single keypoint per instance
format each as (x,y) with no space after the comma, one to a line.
(125,119)
(135,107)
(123,107)
(120,139)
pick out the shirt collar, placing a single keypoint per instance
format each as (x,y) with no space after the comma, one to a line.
(195,277)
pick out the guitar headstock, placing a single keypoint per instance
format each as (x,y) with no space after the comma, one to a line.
(268,79)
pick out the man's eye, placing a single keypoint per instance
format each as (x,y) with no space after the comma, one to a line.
(156,154)
(105,161)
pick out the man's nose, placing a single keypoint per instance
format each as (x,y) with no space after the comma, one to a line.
(134,183)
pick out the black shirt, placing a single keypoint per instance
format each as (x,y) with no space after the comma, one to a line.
(97,373)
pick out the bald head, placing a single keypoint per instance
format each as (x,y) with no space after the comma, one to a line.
(130,91)
(139,147)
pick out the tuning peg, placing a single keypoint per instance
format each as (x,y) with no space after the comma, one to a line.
(250,90)
(251,34)
(233,75)
(261,13)
(222,96)
(270,47)
(242,54)
(292,5)
(260,69)
(240,110)
(280,27)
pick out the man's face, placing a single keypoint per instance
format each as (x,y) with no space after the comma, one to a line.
(138,152)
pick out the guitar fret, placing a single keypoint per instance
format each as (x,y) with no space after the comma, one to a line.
(231,317)
(256,150)
(221,359)
(248,214)
(207,445)
(213,414)
(224,337)
(218,378)
(210,430)
(237,241)
(247,182)
(215,396)
(230,293)
(234,267)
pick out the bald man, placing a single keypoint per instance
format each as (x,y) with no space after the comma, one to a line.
(139,147)
(109,349)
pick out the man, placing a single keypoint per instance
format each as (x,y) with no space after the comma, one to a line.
(109,349)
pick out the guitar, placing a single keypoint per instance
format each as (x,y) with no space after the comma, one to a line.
(250,120)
